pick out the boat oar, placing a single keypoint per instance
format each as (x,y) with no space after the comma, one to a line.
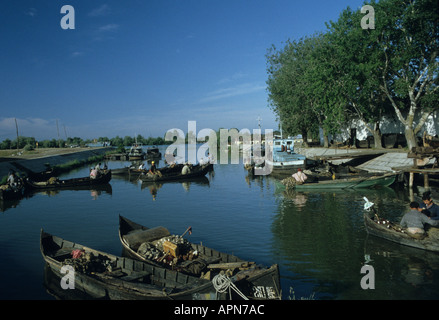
(187,230)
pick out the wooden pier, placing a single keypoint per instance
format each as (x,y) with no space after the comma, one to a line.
(421,156)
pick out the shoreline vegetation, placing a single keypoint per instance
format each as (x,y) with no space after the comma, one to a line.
(351,75)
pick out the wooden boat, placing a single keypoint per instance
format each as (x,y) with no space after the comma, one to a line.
(9,193)
(347,183)
(128,171)
(395,233)
(173,173)
(153,152)
(136,152)
(104,177)
(105,276)
(263,282)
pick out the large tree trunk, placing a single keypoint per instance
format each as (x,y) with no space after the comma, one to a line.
(325,138)
(410,137)
(377,138)
(305,138)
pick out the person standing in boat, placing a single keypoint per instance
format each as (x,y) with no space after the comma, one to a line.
(299,176)
(429,205)
(415,221)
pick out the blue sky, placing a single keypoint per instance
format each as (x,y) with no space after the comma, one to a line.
(144,67)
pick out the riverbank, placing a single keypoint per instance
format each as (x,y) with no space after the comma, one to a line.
(40,160)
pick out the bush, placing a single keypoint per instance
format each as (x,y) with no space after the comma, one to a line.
(28,147)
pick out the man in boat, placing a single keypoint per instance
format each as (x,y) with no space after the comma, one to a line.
(153,168)
(415,221)
(93,173)
(429,205)
(12,179)
(299,176)
(185,169)
(98,167)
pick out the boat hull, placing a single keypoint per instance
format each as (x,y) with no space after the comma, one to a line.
(429,243)
(71,183)
(357,182)
(175,174)
(262,283)
(146,282)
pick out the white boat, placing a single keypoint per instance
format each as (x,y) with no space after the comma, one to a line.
(284,159)
(136,152)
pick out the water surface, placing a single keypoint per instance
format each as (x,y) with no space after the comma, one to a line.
(317,238)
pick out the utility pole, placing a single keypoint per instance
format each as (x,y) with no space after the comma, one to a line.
(57,128)
(18,139)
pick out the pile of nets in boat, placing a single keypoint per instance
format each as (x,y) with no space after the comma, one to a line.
(187,259)
(87,262)
(289,183)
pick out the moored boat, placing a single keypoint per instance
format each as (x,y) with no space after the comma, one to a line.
(11,193)
(136,152)
(153,152)
(150,245)
(176,172)
(283,159)
(361,181)
(53,183)
(106,276)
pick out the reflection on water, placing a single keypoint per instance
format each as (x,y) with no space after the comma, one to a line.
(317,238)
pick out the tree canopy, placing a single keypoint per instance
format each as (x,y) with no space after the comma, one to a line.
(351,71)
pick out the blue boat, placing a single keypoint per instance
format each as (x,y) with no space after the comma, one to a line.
(284,159)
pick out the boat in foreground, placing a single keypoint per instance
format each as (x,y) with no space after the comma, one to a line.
(156,246)
(385,229)
(54,183)
(105,276)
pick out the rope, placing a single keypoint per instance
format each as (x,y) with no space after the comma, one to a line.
(221,283)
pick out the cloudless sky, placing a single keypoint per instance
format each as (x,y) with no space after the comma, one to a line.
(144,67)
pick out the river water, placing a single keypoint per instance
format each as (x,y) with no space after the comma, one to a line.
(317,238)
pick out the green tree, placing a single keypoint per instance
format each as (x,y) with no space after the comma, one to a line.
(406,43)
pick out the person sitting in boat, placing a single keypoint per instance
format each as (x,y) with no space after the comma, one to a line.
(93,173)
(142,166)
(98,167)
(299,176)
(153,168)
(429,205)
(415,221)
(185,169)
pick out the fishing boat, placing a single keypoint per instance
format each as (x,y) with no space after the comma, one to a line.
(136,152)
(385,229)
(283,159)
(103,275)
(175,172)
(150,245)
(54,183)
(11,193)
(132,171)
(153,152)
(358,181)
